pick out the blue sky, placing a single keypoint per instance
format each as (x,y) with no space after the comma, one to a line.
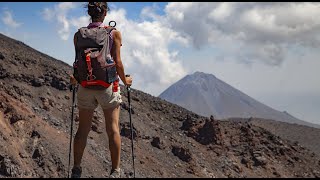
(269,50)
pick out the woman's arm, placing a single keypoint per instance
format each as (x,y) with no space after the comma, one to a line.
(117,58)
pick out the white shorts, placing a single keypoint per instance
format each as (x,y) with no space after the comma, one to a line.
(90,98)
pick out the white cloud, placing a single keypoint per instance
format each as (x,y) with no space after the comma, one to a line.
(150,12)
(222,11)
(65,29)
(262,29)
(65,6)
(60,12)
(9,21)
(81,21)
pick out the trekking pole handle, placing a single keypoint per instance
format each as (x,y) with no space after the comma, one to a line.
(128,87)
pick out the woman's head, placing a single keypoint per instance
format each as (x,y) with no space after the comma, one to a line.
(97,10)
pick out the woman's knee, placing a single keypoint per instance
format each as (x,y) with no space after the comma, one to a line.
(81,135)
(84,130)
(113,131)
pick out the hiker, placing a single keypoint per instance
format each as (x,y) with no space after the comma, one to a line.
(92,92)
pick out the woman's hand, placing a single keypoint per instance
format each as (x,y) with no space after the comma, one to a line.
(73,80)
(128,80)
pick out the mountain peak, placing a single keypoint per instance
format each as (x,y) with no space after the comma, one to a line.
(203,75)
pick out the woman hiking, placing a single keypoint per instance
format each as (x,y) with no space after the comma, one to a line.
(97,69)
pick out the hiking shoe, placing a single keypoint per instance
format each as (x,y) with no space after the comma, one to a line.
(76,172)
(115,173)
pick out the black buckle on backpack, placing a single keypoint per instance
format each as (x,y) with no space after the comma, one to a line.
(91,78)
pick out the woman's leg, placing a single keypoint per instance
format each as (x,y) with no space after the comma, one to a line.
(80,140)
(112,128)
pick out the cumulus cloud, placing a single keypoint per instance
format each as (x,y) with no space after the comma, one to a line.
(221,12)
(146,54)
(8,20)
(261,29)
(60,13)
(150,12)
(81,21)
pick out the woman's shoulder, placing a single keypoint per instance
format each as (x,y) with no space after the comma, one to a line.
(112,29)
(77,32)
(116,33)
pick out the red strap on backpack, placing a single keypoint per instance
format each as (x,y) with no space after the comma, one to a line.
(88,61)
(95,83)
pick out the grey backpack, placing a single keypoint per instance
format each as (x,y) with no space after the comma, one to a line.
(94,67)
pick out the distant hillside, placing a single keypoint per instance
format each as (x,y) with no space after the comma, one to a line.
(207,95)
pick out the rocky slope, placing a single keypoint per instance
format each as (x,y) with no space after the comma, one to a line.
(306,136)
(170,141)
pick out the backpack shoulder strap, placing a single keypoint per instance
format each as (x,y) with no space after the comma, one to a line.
(109,28)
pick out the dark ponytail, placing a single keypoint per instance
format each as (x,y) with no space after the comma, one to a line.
(97,9)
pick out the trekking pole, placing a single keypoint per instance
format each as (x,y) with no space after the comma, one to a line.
(73,88)
(131,127)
